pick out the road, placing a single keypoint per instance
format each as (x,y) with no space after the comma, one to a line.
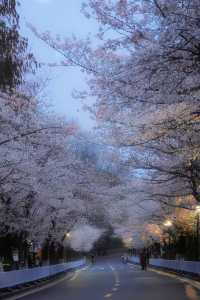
(110,279)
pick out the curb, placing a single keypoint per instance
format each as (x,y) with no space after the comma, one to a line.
(5,293)
(183,274)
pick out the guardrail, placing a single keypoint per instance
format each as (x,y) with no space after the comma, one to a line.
(177,265)
(192,267)
(13,278)
(134,259)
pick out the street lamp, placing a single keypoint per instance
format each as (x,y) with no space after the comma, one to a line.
(168,223)
(68,235)
(197,210)
(66,239)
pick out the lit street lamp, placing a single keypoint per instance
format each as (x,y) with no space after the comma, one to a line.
(67,235)
(66,239)
(168,223)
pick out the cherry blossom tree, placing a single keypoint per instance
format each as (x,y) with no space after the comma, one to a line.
(144,74)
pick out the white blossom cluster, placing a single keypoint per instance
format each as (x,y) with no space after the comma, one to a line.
(145,74)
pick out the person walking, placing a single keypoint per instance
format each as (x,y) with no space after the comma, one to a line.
(124,258)
(143,260)
(92,258)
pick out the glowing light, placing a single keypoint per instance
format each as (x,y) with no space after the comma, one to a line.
(168,223)
(197,209)
(128,242)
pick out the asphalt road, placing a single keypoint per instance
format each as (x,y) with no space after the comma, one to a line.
(110,279)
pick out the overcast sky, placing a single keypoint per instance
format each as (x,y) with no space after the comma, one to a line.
(60,17)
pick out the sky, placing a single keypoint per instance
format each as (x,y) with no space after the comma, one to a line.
(59,17)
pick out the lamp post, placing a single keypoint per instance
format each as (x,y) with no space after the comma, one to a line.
(168,224)
(66,238)
(197,210)
(68,235)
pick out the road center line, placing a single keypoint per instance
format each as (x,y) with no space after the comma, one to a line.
(112,268)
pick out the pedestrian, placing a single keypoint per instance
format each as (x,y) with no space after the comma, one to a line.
(124,258)
(92,258)
(143,260)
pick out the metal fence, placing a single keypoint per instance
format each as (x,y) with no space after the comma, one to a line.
(177,265)
(17,277)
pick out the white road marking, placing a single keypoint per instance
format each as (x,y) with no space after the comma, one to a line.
(109,295)
(194,283)
(115,273)
(112,268)
(75,275)
(117,282)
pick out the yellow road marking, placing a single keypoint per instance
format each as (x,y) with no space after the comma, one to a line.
(190,292)
(164,273)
